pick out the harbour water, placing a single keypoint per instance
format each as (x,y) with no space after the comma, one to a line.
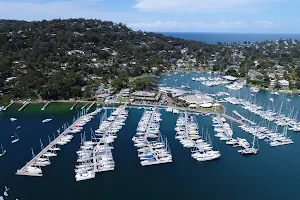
(271,174)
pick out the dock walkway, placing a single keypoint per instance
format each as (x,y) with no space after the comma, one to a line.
(11,103)
(233,119)
(74,105)
(90,106)
(44,107)
(23,171)
(24,105)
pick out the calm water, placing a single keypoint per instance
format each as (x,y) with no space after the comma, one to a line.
(229,38)
(272,174)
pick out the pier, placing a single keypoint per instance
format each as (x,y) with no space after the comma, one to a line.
(84,106)
(90,106)
(74,105)
(44,107)
(233,119)
(11,103)
(24,105)
(23,171)
(243,118)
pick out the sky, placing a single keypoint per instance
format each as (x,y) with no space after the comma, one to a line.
(235,16)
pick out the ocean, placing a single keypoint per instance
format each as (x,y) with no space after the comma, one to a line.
(271,174)
(213,38)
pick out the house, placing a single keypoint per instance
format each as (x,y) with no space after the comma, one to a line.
(253,74)
(284,83)
(272,82)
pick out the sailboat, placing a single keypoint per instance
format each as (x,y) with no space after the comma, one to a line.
(251,150)
(5,192)
(2,151)
(15,138)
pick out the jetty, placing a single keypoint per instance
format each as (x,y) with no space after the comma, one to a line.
(44,107)
(233,119)
(90,106)
(243,118)
(74,105)
(84,106)
(23,171)
(11,103)
(24,105)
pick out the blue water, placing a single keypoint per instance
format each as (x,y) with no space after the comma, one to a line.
(271,174)
(213,38)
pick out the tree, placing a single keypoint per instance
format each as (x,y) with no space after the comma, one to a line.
(277,85)
(119,83)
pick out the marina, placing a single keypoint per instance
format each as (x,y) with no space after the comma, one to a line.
(268,141)
(32,168)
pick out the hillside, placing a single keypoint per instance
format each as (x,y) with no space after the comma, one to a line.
(55,59)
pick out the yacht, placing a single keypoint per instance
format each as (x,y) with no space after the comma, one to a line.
(254,89)
(175,111)
(13,119)
(46,120)
(15,138)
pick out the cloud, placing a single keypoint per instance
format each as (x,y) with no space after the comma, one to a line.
(39,9)
(199,5)
(264,24)
(196,26)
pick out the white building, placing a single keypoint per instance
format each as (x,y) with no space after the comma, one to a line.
(284,83)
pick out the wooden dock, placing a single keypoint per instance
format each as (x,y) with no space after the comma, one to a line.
(24,105)
(23,171)
(74,105)
(233,119)
(44,107)
(11,103)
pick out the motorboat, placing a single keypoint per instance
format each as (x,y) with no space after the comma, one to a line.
(46,120)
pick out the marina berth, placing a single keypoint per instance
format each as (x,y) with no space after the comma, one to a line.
(187,132)
(42,159)
(95,155)
(275,115)
(152,148)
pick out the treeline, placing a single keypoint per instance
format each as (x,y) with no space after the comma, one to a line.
(51,59)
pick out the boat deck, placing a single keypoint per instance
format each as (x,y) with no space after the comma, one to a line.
(23,171)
